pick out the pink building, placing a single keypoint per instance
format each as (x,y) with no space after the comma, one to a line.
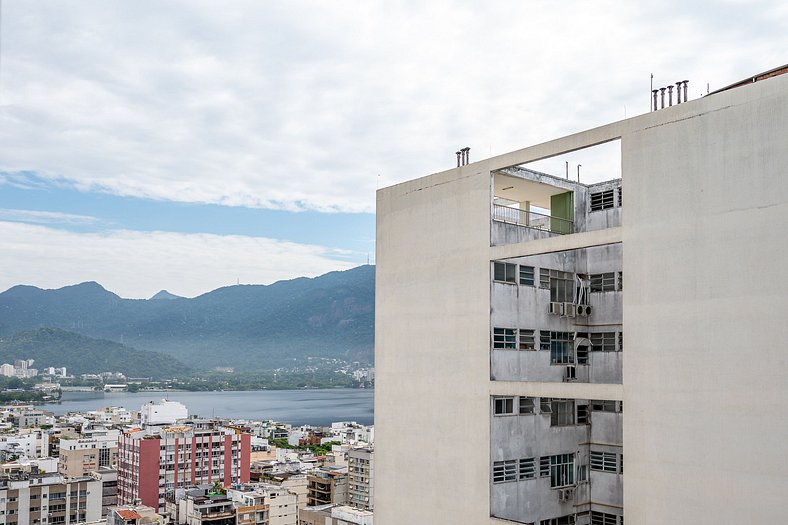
(158,459)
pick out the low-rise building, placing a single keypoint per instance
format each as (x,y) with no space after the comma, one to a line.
(93,449)
(328,485)
(133,515)
(334,515)
(32,498)
(361,477)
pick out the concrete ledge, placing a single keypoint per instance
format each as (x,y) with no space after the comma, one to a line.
(564,390)
(557,244)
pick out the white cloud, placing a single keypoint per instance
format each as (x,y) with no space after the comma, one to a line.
(45,217)
(302,104)
(137,264)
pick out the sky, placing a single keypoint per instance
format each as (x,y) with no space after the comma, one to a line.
(187,145)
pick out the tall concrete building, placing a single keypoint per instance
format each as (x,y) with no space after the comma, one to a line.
(502,298)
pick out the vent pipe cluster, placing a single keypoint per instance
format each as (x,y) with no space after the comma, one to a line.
(463,156)
(680,86)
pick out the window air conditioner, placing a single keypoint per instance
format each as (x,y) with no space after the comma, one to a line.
(554,308)
(566,494)
(569,309)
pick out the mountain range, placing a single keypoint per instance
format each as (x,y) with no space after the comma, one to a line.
(249,326)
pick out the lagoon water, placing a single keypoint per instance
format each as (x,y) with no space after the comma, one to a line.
(317,407)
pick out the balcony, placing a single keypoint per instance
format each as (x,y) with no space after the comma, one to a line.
(529,205)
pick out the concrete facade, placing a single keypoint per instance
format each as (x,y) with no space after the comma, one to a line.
(701,240)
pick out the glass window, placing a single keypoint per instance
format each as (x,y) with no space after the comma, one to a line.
(505,272)
(504,338)
(503,406)
(527,275)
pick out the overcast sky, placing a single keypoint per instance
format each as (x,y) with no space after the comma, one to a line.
(189,145)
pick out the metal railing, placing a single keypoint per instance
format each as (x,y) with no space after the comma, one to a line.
(531,219)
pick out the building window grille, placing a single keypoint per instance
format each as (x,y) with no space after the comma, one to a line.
(527,276)
(527,341)
(562,348)
(545,405)
(526,405)
(620,195)
(603,341)
(544,466)
(563,412)
(602,405)
(562,470)
(602,518)
(544,278)
(602,200)
(620,281)
(621,341)
(504,338)
(505,272)
(503,406)
(562,286)
(563,520)
(544,340)
(603,461)
(504,471)
(527,468)
(582,414)
(603,282)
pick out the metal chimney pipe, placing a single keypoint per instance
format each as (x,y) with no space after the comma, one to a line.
(670,95)
(567,170)
(662,92)
(467,151)
(458,158)
(685,89)
(462,150)
(678,93)
(655,91)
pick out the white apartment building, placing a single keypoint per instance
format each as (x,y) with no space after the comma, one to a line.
(361,484)
(32,499)
(502,298)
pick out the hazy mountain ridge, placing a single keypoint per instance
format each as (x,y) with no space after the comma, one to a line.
(258,326)
(85,355)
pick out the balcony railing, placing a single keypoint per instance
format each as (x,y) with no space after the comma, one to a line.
(531,219)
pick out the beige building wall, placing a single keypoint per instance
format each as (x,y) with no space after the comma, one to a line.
(705,209)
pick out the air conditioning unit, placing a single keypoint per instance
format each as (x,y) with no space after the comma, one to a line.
(570,310)
(583,310)
(555,308)
(570,374)
(566,494)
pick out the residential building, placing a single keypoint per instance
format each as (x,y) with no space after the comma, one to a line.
(361,484)
(334,515)
(163,413)
(92,449)
(109,488)
(157,459)
(29,498)
(133,515)
(502,298)
(281,505)
(327,485)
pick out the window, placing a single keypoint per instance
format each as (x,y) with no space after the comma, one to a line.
(563,412)
(504,471)
(562,470)
(561,348)
(582,414)
(527,341)
(563,520)
(620,195)
(545,405)
(602,518)
(602,200)
(504,272)
(526,405)
(503,406)
(603,342)
(544,278)
(603,282)
(603,461)
(527,276)
(527,468)
(544,340)
(582,473)
(504,338)
(603,405)
(621,341)
(544,466)
(562,286)
(620,280)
